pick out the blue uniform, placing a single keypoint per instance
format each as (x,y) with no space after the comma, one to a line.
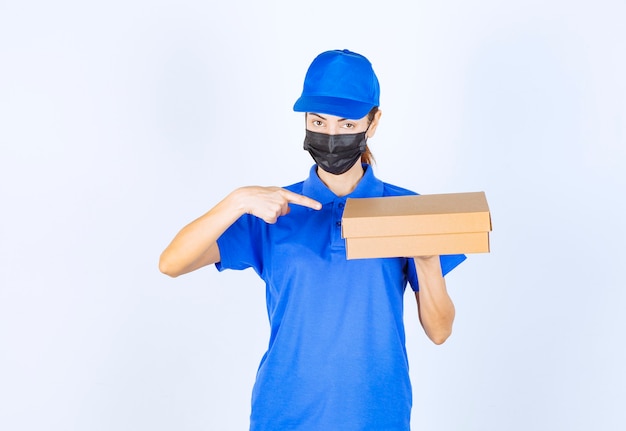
(336,358)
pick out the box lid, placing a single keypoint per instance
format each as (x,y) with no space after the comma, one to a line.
(416,215)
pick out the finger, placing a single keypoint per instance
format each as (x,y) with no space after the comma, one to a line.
(297,199)
(272,216)
(270,220)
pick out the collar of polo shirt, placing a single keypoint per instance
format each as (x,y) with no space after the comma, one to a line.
(369,187)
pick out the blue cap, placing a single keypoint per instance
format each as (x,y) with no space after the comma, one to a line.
(340,83)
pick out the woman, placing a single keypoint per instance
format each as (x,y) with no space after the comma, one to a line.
(336,358)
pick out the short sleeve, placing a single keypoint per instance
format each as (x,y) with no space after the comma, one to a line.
(241,245)
(448,263)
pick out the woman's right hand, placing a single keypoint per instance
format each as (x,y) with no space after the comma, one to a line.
(269,203)
(195,245)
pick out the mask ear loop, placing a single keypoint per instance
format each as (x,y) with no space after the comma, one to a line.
(363,144)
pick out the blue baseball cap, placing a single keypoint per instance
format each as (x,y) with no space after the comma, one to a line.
(341,83)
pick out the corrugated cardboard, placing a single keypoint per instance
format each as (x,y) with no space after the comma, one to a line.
(417,225)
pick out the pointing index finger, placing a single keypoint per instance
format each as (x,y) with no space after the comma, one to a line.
(301,200)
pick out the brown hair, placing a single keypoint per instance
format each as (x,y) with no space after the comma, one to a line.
(367,157)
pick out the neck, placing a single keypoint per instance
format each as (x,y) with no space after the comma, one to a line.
(343,184)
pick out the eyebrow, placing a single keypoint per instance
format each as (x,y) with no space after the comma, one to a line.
(318,115)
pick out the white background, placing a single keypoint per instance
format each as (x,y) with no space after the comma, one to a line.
(121,121)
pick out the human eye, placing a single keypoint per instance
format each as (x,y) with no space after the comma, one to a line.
(318,123)
(349,125)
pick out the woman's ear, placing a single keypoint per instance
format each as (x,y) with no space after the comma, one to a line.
(374,124)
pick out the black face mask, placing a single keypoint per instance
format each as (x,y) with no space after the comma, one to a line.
(335,154)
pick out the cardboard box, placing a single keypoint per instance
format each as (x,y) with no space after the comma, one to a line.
(418,225)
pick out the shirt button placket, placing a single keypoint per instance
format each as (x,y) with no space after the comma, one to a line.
(338,207)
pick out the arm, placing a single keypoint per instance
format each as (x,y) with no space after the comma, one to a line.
(434,306)
(195,245)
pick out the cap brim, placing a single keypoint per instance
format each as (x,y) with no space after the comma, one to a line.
(343,108)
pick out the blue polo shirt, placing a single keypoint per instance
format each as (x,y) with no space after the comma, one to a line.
(336,358)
